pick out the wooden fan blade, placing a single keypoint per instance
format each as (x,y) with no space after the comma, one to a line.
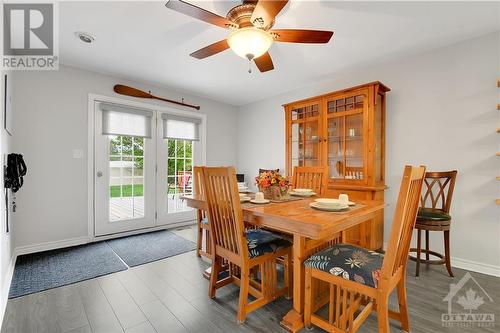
(199,13)
(129,91)
(210,50)
(264,62)
(302,36)
(265,11)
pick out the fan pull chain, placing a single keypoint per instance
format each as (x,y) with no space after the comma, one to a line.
(249,66)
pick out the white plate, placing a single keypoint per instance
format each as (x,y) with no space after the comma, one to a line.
(260,202)
(302,190)
(243,189)
(302,194)
(328,208)
(245,199)
(328,202)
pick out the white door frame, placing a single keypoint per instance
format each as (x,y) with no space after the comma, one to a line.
(92,98)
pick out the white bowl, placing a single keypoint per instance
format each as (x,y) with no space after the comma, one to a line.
(327,201)
(302,190)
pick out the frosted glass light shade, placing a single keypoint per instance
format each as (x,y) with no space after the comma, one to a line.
(250,43)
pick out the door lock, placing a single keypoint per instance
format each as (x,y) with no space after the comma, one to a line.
(99,173)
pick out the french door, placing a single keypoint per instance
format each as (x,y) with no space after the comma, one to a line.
(140,173)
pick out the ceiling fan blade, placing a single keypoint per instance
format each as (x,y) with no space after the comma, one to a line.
(265,11)
(199,13)
(302,36)
(210,50)
(264,62)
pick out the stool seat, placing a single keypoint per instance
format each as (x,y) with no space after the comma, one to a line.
(429,214)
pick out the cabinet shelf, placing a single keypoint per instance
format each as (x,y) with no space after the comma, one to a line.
(347,138)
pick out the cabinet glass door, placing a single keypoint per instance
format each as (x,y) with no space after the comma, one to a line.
(305,136)
(346,149)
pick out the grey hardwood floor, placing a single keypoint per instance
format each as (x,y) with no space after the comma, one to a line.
(171,296)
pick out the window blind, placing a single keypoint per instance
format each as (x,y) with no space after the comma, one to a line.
(181,128)
(124,120)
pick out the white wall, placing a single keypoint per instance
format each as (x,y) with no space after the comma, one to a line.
(51,120)
(441,112)
(6,245)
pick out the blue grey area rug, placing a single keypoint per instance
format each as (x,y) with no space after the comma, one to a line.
(140,249)
(50,269)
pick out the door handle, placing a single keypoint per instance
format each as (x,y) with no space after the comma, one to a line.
(99,173)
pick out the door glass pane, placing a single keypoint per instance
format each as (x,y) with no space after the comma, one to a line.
(336,147)
(345,104)
(179,174)
(311,151)
(354,148)
(126,178)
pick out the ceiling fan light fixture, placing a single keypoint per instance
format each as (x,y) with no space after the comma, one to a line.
(250,43)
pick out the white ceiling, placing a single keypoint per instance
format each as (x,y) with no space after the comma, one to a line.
(145,41)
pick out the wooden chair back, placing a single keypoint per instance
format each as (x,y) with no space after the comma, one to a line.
(198,181)
(224,213)
(403,222)
(309,177)
(437,190)
(198,188)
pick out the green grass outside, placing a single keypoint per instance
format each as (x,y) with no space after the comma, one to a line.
(127,191)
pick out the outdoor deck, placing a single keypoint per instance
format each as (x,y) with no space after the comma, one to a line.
(133,207)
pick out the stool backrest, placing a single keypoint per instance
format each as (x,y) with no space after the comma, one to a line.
(437,190)
(224,213)
(403,222)
(309,177)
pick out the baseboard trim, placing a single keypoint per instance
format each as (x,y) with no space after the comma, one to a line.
(6,287)
(20,250)
(477,267)
(142,231)
(472,266)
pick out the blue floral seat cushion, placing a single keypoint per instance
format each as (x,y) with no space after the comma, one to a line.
(349,262)
(261,242)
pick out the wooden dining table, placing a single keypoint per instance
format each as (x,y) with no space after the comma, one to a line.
(309,228)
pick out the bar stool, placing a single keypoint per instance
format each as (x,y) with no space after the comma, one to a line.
(433,215)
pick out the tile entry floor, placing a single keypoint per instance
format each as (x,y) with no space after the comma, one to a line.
(170,295)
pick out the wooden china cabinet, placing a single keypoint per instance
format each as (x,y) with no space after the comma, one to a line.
(345,132)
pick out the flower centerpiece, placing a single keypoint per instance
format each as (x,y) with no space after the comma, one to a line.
(273,185)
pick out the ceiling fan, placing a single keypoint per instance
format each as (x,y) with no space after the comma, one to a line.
(251,30)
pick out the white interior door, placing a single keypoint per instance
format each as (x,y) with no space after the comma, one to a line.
(125,186)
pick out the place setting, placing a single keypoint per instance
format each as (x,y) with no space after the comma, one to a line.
(333,205)
(302,192)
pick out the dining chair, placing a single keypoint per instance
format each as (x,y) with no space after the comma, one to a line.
(434,215)
(362,280)
(201,217)
(242,249)
(309,177)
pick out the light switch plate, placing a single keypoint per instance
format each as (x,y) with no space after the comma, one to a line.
(77,153)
